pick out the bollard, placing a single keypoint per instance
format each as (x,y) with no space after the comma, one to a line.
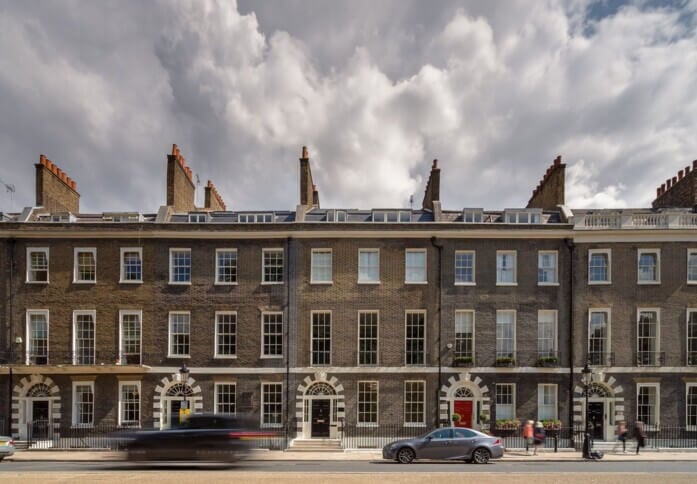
(556,443)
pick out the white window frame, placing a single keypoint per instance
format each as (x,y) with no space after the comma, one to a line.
(262,412)
(121,422)
(76,314)
(690,341)
(688,386)
(513,337)
(314,279)
(540,400)
(75,412)
(216,341)
(28,346)
(122,253)
(555,329)
(608,253)
(608,331)
(263,265)
(377,338)
(30,279)
(172,252)
(657,349)
(359,422)
(455,339)
(541,253)
(657,253)
(422,423)
(473,282)
(312,337)
(687,266)
(263,355)
(370,268)
(424,340)
(216,394)
(514,253)
(76,264)
(408,269)
(198,217)
(170,335)
(130,312)
(218,282)
(657,386)
(513,400)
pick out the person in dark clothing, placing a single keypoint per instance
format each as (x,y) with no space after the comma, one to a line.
(639,435)
(539,436)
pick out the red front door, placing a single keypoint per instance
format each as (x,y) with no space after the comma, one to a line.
(464,409)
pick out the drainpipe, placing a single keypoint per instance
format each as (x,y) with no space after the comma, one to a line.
(287,343)
(572,338)
(440,327)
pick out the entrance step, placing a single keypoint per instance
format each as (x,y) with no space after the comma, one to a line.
(315,445)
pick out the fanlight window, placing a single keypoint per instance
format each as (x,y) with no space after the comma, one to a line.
(321,389)
(463,392)
(179,390)
(39,390)
(598,390)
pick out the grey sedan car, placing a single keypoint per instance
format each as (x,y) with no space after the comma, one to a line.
(446,443)
(7,446)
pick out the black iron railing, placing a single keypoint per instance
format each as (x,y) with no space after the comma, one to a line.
(650,358)
(376,437)
(555,438)
(85,357)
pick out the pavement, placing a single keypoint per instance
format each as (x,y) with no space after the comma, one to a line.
(513,455)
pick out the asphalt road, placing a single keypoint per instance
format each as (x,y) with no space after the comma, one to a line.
(351,472)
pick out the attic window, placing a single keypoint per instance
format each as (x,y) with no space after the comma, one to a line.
(392,216)
(336,216)
(121,217)
(56,217)
(198,217)
(472,215)
(250,218)
(530,216)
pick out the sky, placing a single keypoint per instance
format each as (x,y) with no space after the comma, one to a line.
(375,89)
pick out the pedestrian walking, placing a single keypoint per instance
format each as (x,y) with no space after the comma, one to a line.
(538,436)
(527,435)
(639,435)
(621,432)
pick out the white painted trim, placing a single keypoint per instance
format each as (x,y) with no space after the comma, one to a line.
(215,338)
(215,395)
(607,252)
(689,311)
(556,267)
(425,338)
(540,395)
(358,401)
(122,313)
(687,266)
(31,250)
(515,324)
(263,355)
(555,342)
(122,251)
(172,251)
(358,337)
(27,343)
(515,267)
(657,386)
(425,266)
(657,253)
(88,312)
(312,339)
(261,412)
(321,250)
(474,331)
(79,250)
(217,267)
(608,343)
(169,334)
(122,383)
(74,420)
(687,392)
(473,282)
(263,266)
(640,310)
(367,250)
(513,397)
(404,407)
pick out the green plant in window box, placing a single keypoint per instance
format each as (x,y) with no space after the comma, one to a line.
(483,418)
(548,360)
(463,360)
(456,417)
(551,424)
(505,361)
(507,423)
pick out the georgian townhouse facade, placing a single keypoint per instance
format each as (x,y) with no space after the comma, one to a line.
(317,319)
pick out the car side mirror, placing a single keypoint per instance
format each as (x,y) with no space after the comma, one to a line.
(428,438)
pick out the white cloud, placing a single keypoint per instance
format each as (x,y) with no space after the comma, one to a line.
(375,92)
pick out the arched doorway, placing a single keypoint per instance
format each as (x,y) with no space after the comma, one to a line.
(467,397)
(321,406)
(38,402)
(605,407)
(173,396)
(463,404)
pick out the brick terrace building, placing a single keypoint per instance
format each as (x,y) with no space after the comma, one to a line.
(317,318)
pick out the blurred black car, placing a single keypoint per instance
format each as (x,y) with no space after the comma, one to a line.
(209,438)
(447,443)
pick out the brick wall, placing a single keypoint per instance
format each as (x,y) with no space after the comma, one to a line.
(550,191)
(679,191)
(55,190)
(213,200)
(180,185)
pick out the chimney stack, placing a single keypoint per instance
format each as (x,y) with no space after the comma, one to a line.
(550,191)
(678,191)
(213,200)
(181,189)
(432,193)
(55,190)
(309,196)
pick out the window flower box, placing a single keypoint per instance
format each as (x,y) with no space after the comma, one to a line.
(463,361)
(507,424)
(505,361)
(548,361)
(551,425)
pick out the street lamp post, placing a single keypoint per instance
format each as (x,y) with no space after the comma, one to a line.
(184,377)
(586,379)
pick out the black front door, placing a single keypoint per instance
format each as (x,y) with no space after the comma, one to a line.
(595,420)
(39,415)
(320,418)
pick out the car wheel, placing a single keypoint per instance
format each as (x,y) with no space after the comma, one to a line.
(481,456)
(405,455)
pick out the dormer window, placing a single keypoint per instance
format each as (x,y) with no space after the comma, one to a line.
(250,218)
(392,216)
(527,216)
(56,217)
(198,217)
(336,216)
(472,215)
(121,217)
